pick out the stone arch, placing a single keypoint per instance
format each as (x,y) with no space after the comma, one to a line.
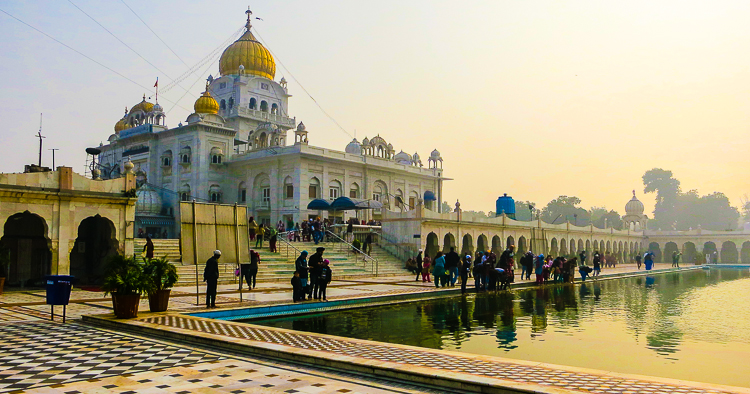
(588,246)
(669,248)
(729,253)
(709,248)
(448,241)
(563,247)
(509,241)
(96,242)
(467,245)
(608,250)
(745,253)
(25,238)
(521,247)
(497,245)
(263,105)
(580,246)
(314,188)
(689,253)
(572,249)
(482,243)
(432,246)
(654,248)
(553,247)
(253,103)
(596,245)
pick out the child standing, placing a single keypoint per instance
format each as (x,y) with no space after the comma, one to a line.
(426,269)
(298,292)
(324,278)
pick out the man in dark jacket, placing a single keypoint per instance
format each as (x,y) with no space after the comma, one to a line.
(315,260)
(451,265)
(465,269)
(301,266)
(211,277)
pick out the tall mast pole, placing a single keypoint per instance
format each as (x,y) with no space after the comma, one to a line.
(40,139)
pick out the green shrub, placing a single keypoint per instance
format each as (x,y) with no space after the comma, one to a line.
(124,275)
(161,272)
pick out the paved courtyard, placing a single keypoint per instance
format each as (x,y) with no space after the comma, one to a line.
(40,356)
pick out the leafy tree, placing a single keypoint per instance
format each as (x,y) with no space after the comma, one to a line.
(566,208)
(667,190)
(682,211)
(599,214)
(522,210)
(446,207)
(746,211)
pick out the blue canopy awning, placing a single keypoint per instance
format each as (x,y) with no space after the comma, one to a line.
(319,204)
(429,196)
(348,204)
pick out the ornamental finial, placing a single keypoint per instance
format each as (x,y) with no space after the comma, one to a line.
(248,25)
(633,192)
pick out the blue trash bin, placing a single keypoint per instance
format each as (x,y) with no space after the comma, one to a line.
(58,291)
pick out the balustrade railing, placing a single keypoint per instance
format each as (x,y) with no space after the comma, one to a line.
(351,249)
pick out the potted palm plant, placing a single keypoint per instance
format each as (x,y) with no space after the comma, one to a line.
(126,281)
(4,262)
(163,275)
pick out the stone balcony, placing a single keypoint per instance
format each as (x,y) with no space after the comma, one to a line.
(279,120)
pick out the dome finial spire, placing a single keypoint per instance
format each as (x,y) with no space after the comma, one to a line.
(633,192)
(248,25)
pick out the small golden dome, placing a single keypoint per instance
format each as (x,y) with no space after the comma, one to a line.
(206,104)
(122,124)
(144,106)
(249,53)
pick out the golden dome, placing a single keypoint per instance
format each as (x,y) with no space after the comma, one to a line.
(249,53)
(122,124)
(206,104)
(144,106)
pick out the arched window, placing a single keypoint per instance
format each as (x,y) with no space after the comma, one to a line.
(223,104)
(185,192)
(253,103)
(242,192)
(264,106)
(166,159)
(354,191)
(274,109)
(288,188)
(314,188)
(399,198)
(231,102)
(262,140)
(214,193)
(185,154)
(334,190)
(413,197)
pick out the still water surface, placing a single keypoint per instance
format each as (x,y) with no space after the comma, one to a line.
(692,325)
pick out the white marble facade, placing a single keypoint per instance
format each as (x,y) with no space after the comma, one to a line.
(234,149)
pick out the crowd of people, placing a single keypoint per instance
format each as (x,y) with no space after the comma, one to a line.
(491,272)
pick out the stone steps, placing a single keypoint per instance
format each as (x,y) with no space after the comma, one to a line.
(169,248)
(279,267)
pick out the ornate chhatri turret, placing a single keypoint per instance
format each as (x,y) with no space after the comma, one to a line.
(634,217)
(206,104)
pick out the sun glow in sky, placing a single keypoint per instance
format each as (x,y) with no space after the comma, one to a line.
(534,99)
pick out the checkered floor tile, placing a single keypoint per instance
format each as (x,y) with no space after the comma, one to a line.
(509,371)
(40,354)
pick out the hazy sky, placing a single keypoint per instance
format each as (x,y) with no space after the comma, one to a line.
(534,99)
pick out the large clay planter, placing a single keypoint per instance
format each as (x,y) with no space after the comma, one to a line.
(2,284)
(126,305)
(159,301)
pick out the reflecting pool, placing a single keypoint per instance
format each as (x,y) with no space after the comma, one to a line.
(692,325)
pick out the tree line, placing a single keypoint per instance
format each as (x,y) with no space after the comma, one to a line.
(674,209)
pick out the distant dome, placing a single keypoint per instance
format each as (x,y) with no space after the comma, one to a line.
(402,158)
(354,147)
(149,201)
(301,127)
(144,106)
(158,108)
(435,154)
(634,206)
(366,141)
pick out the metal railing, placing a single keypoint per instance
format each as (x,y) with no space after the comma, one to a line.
(283,237)
(375,265)
(399,250)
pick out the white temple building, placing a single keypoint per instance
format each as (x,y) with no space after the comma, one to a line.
(234,149)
